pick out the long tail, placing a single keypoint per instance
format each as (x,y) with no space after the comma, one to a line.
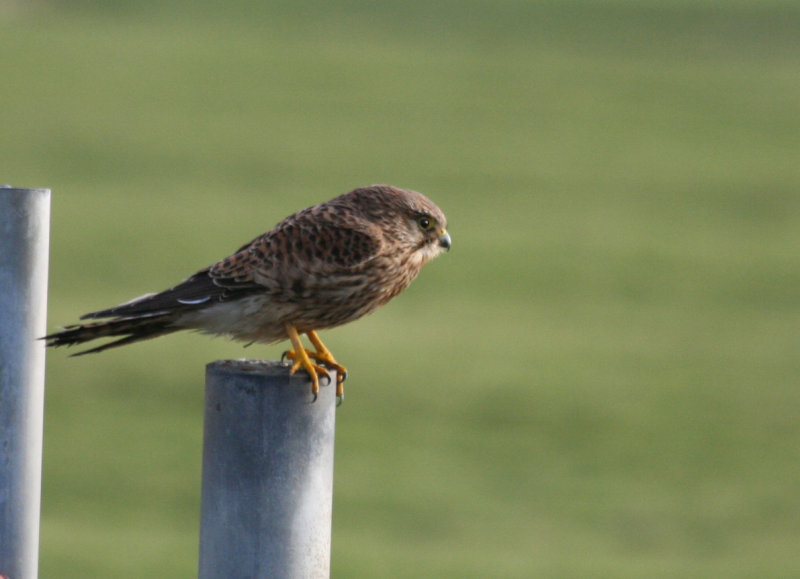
(133,328)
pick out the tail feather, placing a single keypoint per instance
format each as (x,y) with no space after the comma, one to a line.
(133,329)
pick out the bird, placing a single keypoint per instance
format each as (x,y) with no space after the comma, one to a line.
(324,266)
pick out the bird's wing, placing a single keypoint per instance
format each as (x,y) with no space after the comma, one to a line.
(192,293)
(268,264)
(302,246)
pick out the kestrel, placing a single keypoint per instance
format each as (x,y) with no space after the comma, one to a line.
(321,267)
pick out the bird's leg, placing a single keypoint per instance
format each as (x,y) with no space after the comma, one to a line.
(324,356)
(301,359)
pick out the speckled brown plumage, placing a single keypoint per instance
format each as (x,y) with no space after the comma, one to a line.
(321,267)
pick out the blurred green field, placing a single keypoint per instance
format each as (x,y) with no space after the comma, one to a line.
(599,380)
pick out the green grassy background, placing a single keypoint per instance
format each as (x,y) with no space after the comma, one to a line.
(600,379)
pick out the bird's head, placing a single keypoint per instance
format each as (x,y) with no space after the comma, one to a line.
(428,233)
(410,221)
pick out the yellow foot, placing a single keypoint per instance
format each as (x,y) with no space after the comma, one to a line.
(302,359)
(324,356)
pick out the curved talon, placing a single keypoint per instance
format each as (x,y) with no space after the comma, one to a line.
(340,390)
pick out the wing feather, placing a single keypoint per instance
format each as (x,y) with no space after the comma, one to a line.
(271,263)
(193,293)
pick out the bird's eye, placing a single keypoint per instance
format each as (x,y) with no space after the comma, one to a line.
(425,223)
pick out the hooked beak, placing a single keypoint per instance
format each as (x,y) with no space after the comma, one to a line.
(444,240)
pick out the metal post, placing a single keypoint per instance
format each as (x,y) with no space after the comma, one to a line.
(24,241)
(267,473)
